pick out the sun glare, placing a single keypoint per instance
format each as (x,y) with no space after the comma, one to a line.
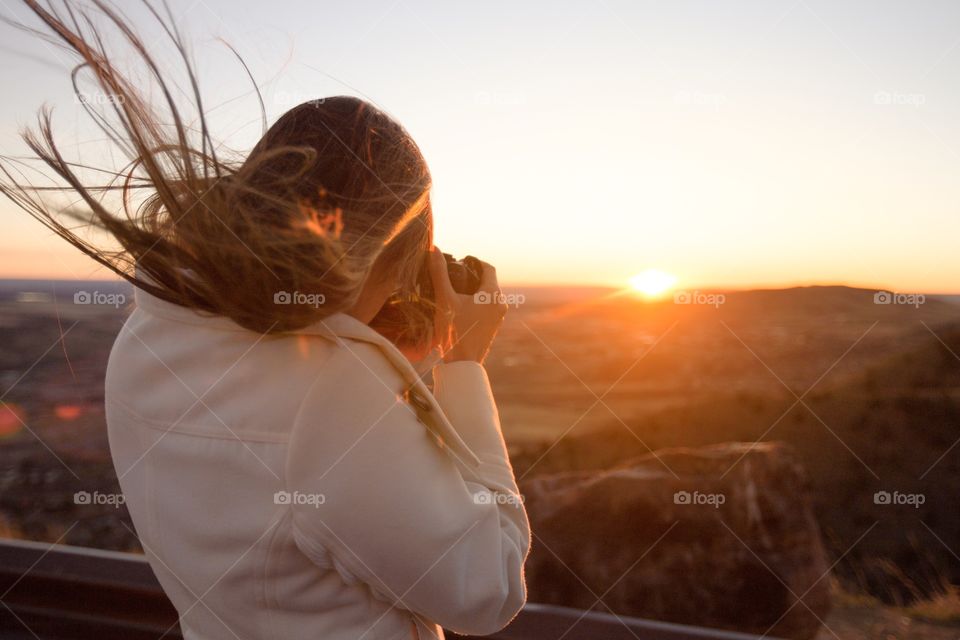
(652,283)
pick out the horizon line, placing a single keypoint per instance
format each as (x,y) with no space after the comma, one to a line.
(760,286)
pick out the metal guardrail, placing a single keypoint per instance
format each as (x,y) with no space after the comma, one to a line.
(71,593)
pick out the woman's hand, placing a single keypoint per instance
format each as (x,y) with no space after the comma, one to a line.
(470,321)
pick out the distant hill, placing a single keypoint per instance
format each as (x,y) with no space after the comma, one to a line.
(549,362)
(796,303)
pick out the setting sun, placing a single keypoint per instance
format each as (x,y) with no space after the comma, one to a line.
(652,283)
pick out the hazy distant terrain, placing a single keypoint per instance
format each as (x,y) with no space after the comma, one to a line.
(868,395)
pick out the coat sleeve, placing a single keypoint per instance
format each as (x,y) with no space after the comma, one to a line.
(394,508)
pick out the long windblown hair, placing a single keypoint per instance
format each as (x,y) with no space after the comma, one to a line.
(334,185)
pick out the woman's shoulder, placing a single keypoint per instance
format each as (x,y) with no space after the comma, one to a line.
(360,355)
(355,368)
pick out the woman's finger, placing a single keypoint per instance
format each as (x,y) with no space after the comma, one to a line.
(488,279)
(441,279)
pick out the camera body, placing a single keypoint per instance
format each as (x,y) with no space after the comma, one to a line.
(464,276)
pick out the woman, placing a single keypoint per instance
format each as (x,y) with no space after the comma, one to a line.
(288,472)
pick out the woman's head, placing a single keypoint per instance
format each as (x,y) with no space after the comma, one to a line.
(347,189)
(332,201)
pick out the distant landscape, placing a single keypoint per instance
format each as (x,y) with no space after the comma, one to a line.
(864,389)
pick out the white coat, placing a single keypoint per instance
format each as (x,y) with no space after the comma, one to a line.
(310,485)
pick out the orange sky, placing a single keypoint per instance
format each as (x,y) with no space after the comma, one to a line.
(751,144)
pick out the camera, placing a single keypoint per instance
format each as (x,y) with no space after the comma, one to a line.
(464,276)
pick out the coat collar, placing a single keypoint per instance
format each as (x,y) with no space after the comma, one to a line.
(337,328)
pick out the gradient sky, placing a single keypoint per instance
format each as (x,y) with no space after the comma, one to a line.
(733,144)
